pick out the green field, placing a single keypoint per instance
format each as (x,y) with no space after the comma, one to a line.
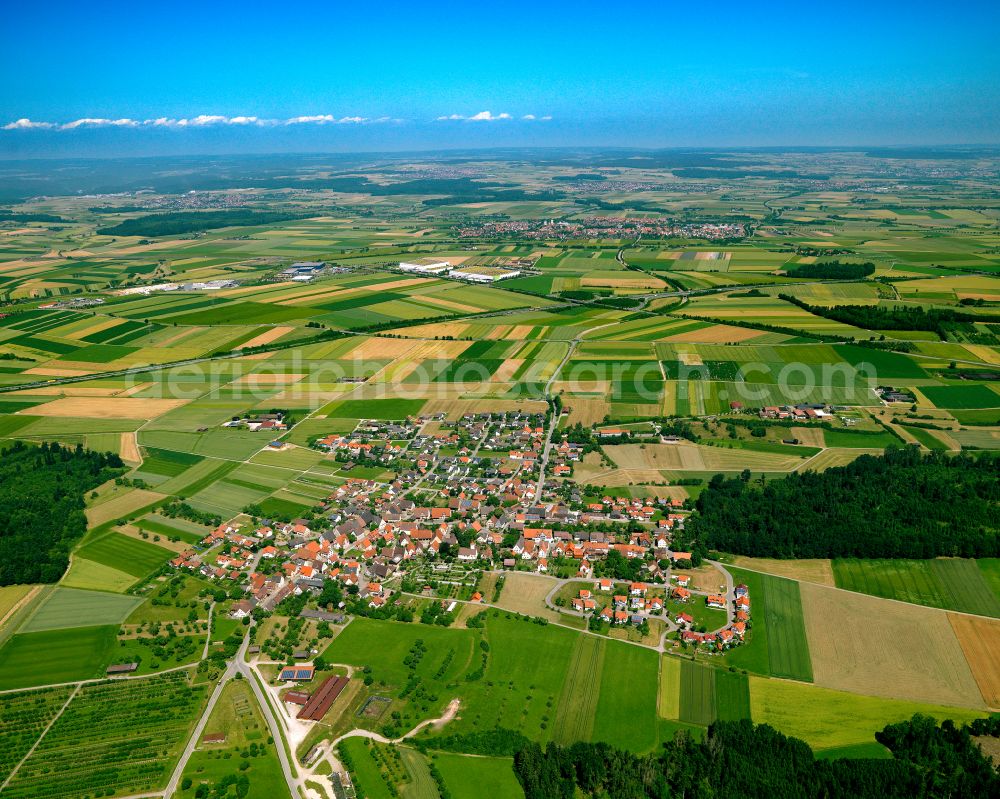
(88,575)
(71,607)
(129,555)
(467,777)
(825,719)
(976,396)
(56,656)
(365,773)
(626,710)
(787,645)
(574,717)
(948,583)
(698,698)
(732,695)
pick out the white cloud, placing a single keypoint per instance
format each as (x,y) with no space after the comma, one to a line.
(487,116)
(315,119)
(26,124)
(200,121)
(99,122)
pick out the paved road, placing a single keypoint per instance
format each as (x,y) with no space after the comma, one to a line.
(288,768)
(553,424)
(237,665)
(199,728)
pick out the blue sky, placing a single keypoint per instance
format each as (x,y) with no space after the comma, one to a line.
(216,76)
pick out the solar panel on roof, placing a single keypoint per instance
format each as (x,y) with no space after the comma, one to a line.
(303,674)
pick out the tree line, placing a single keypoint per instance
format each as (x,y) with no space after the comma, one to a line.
(42,492)
(177,222)
(738,759)
(833,270)
(883,317)
(898,505)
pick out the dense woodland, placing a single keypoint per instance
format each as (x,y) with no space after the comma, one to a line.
(42,491)
(738,760)
(833,270)
(177,222)
(899,505)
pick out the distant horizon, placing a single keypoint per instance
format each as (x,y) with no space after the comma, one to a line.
(485,149)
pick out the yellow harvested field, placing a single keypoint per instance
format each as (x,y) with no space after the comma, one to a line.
(706,578)
(381,348)
(809,436)
(445,350)
(835,456)
(692,457)
(984,353)
(129,448)
(73,390)
(507,369)
(103,324)
(716,334)
(622,282)
(867,645)
(107,407)
(48,371)
(268,379)
(267,337)
(134,532)
(587,411)
(980,641)
(436,329)
(669,699)
(809,570)
(13,598)
(398,284)
(525,593)
(121,505)
(135,389)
